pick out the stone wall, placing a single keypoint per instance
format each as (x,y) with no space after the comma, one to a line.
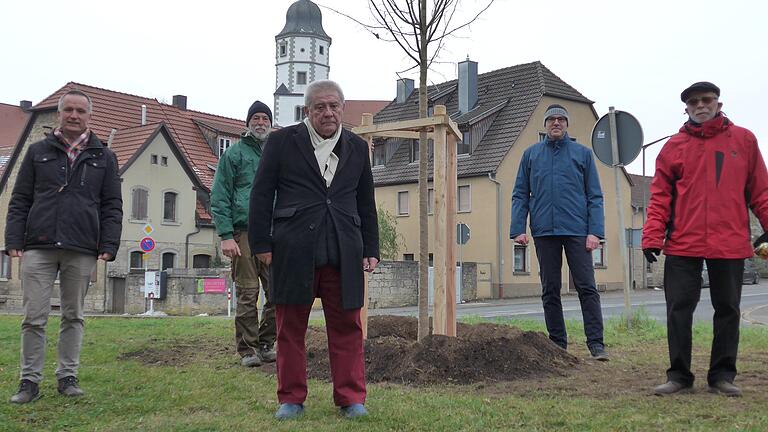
(182,297)
(395,284)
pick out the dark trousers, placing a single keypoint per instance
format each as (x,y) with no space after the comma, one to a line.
(549,251)
(682,290)
(345,345)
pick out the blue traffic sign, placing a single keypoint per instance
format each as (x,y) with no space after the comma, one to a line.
(147,244)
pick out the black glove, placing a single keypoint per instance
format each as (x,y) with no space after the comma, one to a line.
(762,239)
(651,254)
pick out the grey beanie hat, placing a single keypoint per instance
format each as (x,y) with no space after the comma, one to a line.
(258,107)
(556,110)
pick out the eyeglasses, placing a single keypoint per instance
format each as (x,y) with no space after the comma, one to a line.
(556,119)
(706,99)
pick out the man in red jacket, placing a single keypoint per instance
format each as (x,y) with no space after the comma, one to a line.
(707,175)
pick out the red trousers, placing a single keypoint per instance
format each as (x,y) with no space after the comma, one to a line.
(345,345)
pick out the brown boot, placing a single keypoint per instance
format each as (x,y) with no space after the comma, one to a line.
(672,387)
(725,388)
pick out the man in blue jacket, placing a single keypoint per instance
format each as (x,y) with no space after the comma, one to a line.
(557,183)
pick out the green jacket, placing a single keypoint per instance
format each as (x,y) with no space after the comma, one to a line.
(232,184)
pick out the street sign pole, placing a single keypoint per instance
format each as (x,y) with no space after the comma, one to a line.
(619,202)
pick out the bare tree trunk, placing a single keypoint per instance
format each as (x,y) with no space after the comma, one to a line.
(423,329)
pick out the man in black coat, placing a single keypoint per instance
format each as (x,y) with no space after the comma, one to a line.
(66,211)
(313,217)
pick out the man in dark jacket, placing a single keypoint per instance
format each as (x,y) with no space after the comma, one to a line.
(707,177)
(557,183)
(65,212)
(320,236)
(229,205)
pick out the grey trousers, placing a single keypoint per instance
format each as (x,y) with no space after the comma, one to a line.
(38,274)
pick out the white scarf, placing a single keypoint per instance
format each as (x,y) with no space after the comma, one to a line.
(327,160)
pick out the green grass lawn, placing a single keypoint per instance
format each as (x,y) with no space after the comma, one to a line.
(212,393)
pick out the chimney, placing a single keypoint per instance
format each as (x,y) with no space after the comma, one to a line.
(180,102)
(25,105)
(143,115)
(404,89)
(467,85)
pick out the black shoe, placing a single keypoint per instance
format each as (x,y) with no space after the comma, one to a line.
(28,392)
(598,353)
(725,388)
(672,387)
(68,386)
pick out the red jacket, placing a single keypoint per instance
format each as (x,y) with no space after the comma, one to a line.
(707,176)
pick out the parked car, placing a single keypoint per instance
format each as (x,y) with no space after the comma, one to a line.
(751,275)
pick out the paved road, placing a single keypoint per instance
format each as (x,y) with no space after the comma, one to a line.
(754,306)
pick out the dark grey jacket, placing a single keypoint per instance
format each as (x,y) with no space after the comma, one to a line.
(55,206)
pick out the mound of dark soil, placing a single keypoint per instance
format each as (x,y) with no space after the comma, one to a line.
(479,353)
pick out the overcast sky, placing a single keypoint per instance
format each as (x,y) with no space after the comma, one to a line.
(637,56)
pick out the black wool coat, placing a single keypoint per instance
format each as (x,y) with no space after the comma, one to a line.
(289,177)
(55,206)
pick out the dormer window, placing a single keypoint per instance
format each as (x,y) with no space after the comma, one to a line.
(224,144)
(464,146)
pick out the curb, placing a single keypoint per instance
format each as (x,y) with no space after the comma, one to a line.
(747,315)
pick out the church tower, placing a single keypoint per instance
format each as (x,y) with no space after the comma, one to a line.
(301,57)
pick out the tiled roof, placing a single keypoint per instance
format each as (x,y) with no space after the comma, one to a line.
(354,110)
(13,120)
(227,129)
(518,89)
(202,213)
(638,184)
(122,111)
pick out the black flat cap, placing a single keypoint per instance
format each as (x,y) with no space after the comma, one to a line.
(701,86)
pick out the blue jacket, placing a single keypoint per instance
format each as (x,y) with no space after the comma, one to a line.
(557,183)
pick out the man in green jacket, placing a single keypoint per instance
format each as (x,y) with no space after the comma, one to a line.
(230,198)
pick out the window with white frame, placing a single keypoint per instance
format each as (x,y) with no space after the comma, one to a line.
(402,204)
(5,266)
(521,258)
(169,206)
(464,199)
(139,200)
(168,260)
(224,144)
(322,50)
(301,78)
(598,255)
(283,49)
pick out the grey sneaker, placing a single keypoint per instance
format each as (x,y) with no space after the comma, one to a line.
(68,386)
(725,388)
(267,353)
(289,411)
(28,392)
(672,387)
(598,353)
(250,360)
